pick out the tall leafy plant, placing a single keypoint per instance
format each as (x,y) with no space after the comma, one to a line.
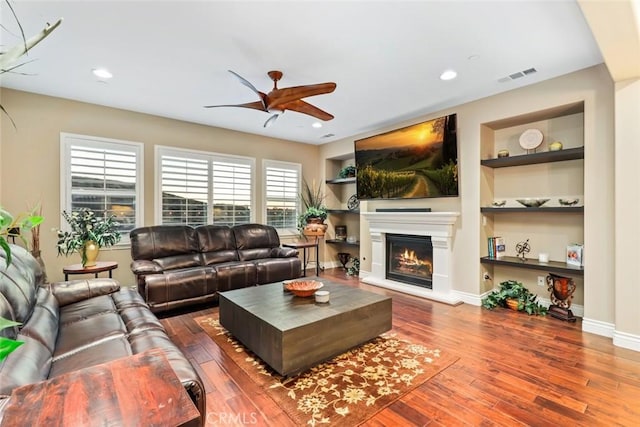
(86,226)
(13,227)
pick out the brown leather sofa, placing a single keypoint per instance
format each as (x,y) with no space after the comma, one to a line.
(178,265)
(76,324)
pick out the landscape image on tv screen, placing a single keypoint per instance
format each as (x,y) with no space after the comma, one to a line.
(417,161)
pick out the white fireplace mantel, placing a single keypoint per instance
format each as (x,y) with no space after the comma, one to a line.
(440,226)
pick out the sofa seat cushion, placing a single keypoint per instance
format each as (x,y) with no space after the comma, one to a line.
(177,285)
(235,275)
(271,270)
(84,309)
(79,335)
(97,352)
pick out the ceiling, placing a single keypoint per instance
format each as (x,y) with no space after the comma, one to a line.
(170,58)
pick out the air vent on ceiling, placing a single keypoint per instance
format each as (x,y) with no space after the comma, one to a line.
(517,75)
(328,135)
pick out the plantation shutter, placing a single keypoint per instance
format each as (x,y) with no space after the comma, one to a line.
(185,190)
(282,182)
(231,192)
(102,175)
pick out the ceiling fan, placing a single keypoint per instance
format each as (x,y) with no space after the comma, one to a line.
(278,101)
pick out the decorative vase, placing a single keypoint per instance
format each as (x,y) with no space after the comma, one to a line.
(561,292)
(315,227)
(89,253)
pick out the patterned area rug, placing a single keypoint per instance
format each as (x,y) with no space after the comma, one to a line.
(345,391)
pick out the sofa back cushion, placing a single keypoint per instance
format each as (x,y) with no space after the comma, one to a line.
(171,246)
(217,244)
(19,282)
(255,241)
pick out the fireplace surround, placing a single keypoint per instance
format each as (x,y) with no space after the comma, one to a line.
(439,226)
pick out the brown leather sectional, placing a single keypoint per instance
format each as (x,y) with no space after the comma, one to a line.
(76,324)
(178,265)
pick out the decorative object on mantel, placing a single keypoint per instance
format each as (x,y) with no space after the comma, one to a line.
(568,202)
(87,235)
(522,249)
(555,146)
(531,139)
(512,294)
(503,153)
(532,203)
(353,203)
(561,291)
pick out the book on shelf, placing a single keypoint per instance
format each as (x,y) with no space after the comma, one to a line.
(575,255)
(496,247)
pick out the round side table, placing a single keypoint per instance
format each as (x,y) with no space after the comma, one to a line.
(98,268)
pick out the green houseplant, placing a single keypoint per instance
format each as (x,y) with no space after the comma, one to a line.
(520,297)
(87,230)
(12,227)
(314,211)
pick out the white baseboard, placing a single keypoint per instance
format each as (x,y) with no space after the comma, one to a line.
(469,298)
(626,340)
(597,327)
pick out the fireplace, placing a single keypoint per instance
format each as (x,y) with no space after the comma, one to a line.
(409,259)
(439,227)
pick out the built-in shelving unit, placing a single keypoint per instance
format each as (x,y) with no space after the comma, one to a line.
(341,181)
(343,242)
(533,264)
(542,174)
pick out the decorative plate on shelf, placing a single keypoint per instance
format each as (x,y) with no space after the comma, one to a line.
(353,203)
(531,139)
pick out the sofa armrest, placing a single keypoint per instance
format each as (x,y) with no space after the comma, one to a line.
(72,291)
(284,253)
(143,266)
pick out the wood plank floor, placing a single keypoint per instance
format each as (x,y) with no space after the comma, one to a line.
(513,370)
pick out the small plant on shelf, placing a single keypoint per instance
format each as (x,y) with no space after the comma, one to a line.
(347,172)
(513,294)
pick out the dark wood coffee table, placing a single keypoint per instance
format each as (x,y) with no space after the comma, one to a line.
(292,334)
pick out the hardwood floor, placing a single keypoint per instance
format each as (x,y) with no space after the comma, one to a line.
(513,370)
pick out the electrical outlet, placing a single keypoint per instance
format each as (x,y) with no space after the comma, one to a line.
(541,281)
(486,276)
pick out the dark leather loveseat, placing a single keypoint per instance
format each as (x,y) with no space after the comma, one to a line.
(77,324)
(179,265)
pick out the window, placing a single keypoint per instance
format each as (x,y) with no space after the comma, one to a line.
(198,188)
(282,189)
(104,175)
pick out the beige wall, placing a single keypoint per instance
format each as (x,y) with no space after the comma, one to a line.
(594,87)
(30,160)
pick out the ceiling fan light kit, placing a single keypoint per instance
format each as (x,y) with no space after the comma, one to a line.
(278,100)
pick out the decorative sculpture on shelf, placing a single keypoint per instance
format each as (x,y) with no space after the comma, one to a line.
(561,291)
(523,248)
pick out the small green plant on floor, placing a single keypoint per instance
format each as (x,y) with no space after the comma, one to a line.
(354,270)
(512,289)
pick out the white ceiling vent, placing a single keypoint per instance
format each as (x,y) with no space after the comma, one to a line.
(517,75)
(328,135)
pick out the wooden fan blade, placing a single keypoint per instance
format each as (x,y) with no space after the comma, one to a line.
(256,105)
(252,87)
(303,107)
(278,97)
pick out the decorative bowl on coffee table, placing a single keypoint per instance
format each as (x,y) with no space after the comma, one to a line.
(303,288)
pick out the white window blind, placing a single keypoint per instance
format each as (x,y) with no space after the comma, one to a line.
(103,175)
(204,188)
(282,189)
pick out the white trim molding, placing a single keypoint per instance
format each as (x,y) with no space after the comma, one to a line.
(626,340)
(597,327)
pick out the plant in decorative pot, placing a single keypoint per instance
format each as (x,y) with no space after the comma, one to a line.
(347,172)
(311,220)
(514,295)
(87,235)
(12,227)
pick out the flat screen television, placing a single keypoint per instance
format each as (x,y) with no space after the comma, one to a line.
(417,161)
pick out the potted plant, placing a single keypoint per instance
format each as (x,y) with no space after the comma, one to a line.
(311,220)
(514,295)
(12,227)
(347,172)
(87,234)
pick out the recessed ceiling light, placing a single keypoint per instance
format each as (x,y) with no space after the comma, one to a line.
(316,125)
(103,73)
(448,75)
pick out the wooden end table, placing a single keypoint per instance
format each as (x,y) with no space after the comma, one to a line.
(98,268)
(304,246)
(139,390)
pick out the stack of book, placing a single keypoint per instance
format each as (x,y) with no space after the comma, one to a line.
(496,247)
